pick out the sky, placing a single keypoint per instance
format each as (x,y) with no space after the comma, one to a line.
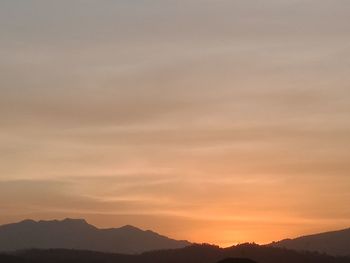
(215,121)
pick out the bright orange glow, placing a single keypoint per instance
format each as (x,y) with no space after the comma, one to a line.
(213,121)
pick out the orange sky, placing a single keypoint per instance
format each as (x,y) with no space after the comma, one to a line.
(212,121)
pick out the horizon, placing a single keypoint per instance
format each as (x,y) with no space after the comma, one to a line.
(214,121)
(142,229)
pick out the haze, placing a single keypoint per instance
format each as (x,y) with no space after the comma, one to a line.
(213,121)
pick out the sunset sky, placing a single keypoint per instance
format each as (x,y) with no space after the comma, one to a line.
(219,121)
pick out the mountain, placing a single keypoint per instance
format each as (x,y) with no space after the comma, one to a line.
(336,243)
(78,234)
(245,253)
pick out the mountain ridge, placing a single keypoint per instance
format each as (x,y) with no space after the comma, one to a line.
(79,234)
(196,253)
(335,243)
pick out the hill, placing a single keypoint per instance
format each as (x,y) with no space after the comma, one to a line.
(336,243)
(193,254)
(78,234)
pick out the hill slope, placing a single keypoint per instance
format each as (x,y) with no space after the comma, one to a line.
(192,254)
(335,243)
(78,234)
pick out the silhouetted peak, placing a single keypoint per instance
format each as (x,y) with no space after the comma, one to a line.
(72,233)
(65,222)
(25,223)
(130,228)
(334,243)
(75,221)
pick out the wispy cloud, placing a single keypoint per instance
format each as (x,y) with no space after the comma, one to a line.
(177,116)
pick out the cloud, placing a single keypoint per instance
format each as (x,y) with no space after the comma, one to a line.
(165,114)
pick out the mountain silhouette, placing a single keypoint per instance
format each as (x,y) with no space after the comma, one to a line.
(78,234)
(245,253)
(336,243)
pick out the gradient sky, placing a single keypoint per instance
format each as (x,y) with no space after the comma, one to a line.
(209,120)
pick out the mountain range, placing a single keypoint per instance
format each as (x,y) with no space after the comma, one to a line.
(336,243)
(78,234)
(244,253)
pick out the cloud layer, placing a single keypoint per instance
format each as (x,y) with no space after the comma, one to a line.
(215,121)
